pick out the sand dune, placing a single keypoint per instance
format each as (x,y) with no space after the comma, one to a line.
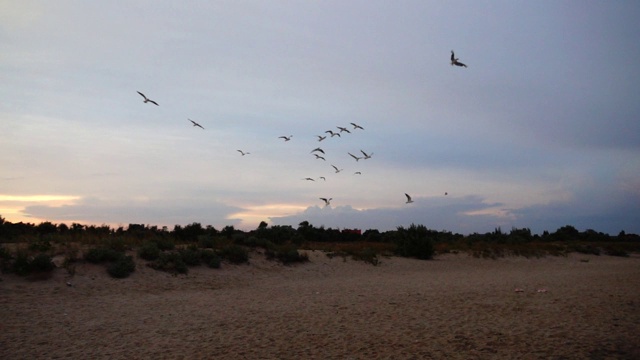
(454,307)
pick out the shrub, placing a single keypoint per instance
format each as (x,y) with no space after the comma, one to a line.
(5,259)
(122,267)
(206,241)
(616,251)
(287,255)
(367,255)
(190,256)
(414,242)
(41,263)
(235,254)
(170,262)
(21,264)
(164,243)
(210,258)
(101,254)
(149,251)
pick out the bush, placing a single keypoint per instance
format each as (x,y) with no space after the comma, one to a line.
(21,264)
(164,243)
(287,255)
(235,254)
(210,258)
(190,256)
(414,242)
(149,251)
(206,241)
(41,263)
(170,262)
(122,267)
(100,255)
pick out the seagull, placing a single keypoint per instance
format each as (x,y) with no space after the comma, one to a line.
(244,153)
(353,156)
(343,129)
(366,156)
(327,202)
(317,149)
(320,138)
(454,61)
(146,100)
(409,201)
(285,137)
(356,126)
(196,124)
(337,170)
(308,179)
(357,173)
(319,157)
(323,178)
(332,133)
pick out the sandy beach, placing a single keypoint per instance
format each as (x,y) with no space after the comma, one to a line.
(453,307)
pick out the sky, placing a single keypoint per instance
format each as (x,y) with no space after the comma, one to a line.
(541,130)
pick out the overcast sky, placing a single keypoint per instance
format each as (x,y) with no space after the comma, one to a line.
(541,130)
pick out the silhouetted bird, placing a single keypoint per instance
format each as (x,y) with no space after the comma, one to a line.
(409,201)
(286,138)
(356,126)
(147,100)
(327,202)
(454,60)
(196,124)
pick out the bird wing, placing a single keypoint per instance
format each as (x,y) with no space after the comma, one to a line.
(153,102)
(141,94)
(408,197)
(364,153)
(334,167)
(453,57)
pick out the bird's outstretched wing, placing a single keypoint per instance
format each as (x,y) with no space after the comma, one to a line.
(141,94)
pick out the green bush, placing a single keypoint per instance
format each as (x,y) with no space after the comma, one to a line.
(149,251)
(206,241)
(164,243)
(414,242)
(21,264)
(210,258)
(122,267)
(41,263)
(170,262)
(287,255)
(102,254)
(235,254)
(190,256)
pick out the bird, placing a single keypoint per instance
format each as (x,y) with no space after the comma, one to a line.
(353,156)
(244,153)
(409,201)
(337,170)
(332,133)
(327,202)
(320,138)
(454,61)
(356,126)
(286,138)
(323,178)
(357,173)
(366,156)
(319,157)
(343,129)
(147,100)
(196,124)
(308,179)
(317,149)
(446,193)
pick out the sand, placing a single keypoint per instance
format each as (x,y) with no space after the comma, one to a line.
(453,307)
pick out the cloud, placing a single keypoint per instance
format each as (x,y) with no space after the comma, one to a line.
(152,212)
(465,214)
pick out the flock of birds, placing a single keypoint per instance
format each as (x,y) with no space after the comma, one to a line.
(365,156)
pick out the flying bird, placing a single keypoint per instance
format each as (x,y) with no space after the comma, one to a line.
(356,126)
(327,202)
(319,157)
(196,124)
(409,201)
(337,170)
(147,100)
(286,138)
(323,178)
(308,179)
(366,156)
(243,153)
(320,138)
(343,129)
(332,133)
(454,60)
(446,193)
(357,173)
(317,149)
(353,156)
